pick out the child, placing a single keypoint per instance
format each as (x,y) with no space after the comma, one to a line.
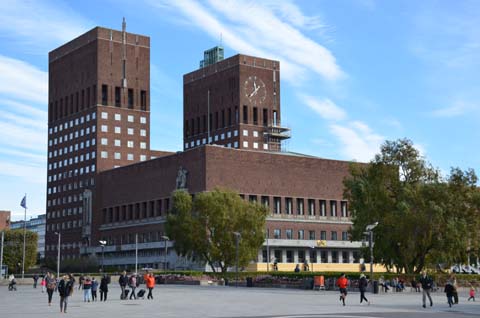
(472,293)
(449,289)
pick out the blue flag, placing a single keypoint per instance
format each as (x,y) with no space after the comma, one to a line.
(23,204)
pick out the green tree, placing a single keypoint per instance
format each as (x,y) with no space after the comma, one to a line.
(423,219)
(205,227)
(13,250)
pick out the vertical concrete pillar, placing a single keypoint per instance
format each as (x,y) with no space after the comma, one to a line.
(284,255)
(295,256)
(329,256)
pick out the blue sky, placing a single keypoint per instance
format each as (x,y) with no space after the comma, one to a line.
(354,73)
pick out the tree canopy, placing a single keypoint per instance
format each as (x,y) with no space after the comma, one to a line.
(13,250)
(424,219)
(205,227)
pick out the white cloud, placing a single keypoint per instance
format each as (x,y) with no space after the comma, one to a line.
(253,28)
(324,107)
(29,172)
(40,25)
(458,108)
(358,141)
(21,80)
(292,14)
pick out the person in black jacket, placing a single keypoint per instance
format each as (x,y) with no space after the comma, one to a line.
(362,285)
(123,281)
(449,289)
(104,287)
(427,284)
(65,289)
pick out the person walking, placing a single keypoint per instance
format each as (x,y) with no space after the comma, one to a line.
(449,291)
(94,289)
(426,283)
(87,290)
(104,287)
(65,290)
(150,283)
(362,285)
(342,283)
(123,281)
(51,283)
(132,283)
(43,283)
(35,280)
(471,293)
(453,279)
(80,282)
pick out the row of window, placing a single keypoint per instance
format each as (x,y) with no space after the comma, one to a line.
(72,136)
(118,156)
(65,212)
(68,225)
(74,186)
(136,211)
(312,235)
(302,206)
(130,100)
(54,247)
(118,130)
(65,175)
(130,118)
(72,123)
(145,237)
(316,256)
(72,160)
(73,104)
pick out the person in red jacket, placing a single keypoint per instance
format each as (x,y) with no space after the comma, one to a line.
(150,283)
(342,283)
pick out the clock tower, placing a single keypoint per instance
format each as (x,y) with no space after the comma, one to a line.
(234,103)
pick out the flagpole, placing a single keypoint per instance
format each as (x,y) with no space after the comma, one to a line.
(24,234)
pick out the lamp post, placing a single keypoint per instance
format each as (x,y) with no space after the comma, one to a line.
(102,244)
(237,240)
(165,239)
(136,253)
(1,255)
(369,229)
(58,253)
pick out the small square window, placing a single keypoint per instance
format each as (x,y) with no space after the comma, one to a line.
(118,117)
(118,130)
(130,118)
(143,120)
(104,115)
(245,133)
(245,144)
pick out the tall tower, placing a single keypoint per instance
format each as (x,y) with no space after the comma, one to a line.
(234,103)
(98,119)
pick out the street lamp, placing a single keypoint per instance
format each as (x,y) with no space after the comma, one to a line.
(237,240)
(102,244)
(58,253)
(165,239)
(369,232)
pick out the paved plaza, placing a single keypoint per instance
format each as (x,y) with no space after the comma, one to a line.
(220,301)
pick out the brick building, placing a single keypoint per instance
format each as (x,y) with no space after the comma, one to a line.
(232,138)
(5,220)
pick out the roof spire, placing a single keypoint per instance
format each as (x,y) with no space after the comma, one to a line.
(124,25)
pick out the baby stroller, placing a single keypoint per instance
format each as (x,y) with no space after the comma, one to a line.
(12,285)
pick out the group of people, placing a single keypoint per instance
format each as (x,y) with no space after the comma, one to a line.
(133,282)
(91,286)
(425,282)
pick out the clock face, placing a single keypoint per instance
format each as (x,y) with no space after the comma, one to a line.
(255,90)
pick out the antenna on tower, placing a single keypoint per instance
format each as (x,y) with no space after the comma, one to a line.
(220,39)
(124,25)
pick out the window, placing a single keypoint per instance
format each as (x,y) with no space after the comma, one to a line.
(117,155)
(345,258)
(245,144)
(143,145)
(311,235)
(311,207)
(301,234)
(104,115)
(323,235)
(265,117)
(245,133)
(344,209)
(245,114)
(300,207)
(143,100)
(289,256)
(104,128)
(288,203)
(255,133)
(130,131)
(130,156)
(118,130)
(255,145)
(323,208)
(130,118)
(334,236)
(301,256)
(118,143)
(104,95)
(344,236)
(143,157)
(334,257)
(276,205)
(252,198)
(289,234)
(118,117)
(265,201)
(130,144)
(143,132)
(277,234)
(143,120)
(333,208)
(130,98)
(117,96)
(255,115)
(104,141)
